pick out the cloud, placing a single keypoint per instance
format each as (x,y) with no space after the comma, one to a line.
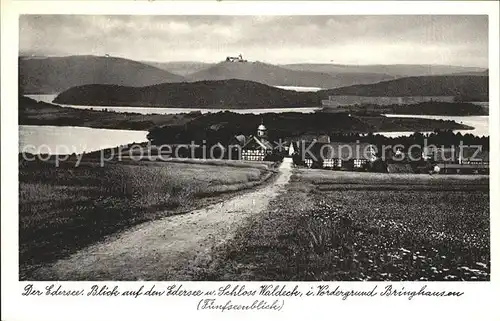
(459,40)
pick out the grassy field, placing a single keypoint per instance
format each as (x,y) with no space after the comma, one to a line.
(365,226)
(67,208)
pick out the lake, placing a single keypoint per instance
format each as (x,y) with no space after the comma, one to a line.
(297,88)
(67,140)
(480,124)
(481,103)
(168,111)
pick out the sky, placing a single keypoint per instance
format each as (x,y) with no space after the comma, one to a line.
(397,39)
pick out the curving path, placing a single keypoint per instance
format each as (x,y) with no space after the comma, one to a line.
(169,248)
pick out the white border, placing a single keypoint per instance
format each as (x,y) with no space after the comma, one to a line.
(477,304)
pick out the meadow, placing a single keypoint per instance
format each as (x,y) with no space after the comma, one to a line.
(63,209)
(333,225)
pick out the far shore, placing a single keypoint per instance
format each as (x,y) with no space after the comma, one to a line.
(32,112)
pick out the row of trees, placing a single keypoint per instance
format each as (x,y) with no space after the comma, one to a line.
(445,138)
(458,108)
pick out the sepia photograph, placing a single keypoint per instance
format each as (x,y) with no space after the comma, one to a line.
(254,147)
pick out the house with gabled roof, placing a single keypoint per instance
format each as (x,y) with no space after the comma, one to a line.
(256,147)
(474,155)
(460,160)
(336,155)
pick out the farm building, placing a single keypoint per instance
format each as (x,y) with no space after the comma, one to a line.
(334,155)
(461,160)
(473,155)
(255,148)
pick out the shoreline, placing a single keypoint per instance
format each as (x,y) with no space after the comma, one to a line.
(39,113)
(436,108)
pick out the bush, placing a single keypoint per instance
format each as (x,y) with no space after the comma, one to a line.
(377,166)
(273,158)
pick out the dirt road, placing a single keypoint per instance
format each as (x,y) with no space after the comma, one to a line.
(170,248)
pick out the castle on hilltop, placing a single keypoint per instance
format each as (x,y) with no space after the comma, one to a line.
(235,59)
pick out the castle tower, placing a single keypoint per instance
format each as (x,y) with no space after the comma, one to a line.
(262,131)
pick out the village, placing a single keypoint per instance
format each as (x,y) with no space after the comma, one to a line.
(321,152)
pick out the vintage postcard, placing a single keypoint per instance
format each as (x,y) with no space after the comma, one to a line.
(249,160)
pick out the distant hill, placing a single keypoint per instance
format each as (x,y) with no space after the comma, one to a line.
(204,94)
(182,68)
(278,76)
(395,71)
(52,75)
(235,93)
(466,88)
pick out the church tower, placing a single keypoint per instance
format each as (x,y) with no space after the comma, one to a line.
(262,131)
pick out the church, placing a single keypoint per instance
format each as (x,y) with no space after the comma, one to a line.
(255,147)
